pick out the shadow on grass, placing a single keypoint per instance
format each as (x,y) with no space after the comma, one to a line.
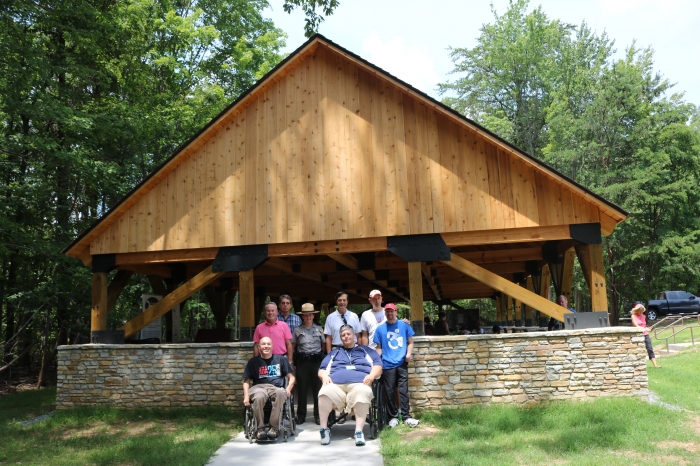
(105,436)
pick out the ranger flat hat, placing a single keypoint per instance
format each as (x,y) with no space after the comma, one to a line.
(308,308)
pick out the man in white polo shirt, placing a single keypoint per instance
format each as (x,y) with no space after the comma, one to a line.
(372,318)
(339,318)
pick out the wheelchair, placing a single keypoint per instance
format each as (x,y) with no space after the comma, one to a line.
(377,412)
(287,422)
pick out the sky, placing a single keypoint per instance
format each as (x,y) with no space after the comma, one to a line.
(409,38)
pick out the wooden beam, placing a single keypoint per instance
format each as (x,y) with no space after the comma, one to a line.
(246,295)
(100,306)
(505,286)
(507,235)
(416,289)
(315,248)
(170,301)
(590,256)
(117,285)
(428,278)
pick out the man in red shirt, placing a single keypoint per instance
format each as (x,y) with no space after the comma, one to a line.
(277,331)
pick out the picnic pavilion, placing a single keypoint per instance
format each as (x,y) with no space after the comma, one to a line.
(331,174)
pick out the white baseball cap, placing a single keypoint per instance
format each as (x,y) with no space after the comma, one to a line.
(374,292)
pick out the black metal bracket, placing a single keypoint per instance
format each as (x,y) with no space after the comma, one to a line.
(419,248)
(586,233)
(237,258)
(104,262)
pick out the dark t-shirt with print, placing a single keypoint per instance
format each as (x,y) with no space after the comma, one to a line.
(272,371)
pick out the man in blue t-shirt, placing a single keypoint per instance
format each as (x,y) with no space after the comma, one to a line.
(394,339)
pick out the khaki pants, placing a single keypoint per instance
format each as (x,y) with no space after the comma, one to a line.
(345,396)
(259,394)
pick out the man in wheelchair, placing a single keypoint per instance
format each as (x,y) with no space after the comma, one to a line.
(267,372)
(347,374)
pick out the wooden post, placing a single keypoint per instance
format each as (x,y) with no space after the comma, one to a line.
(510,318)
(498,309)
(531,317)
(98,320)
(518,313)
(568,274)
(246,289)
(415,286)
(544,292)
(590,256)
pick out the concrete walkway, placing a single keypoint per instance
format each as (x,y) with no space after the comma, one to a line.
(304,448)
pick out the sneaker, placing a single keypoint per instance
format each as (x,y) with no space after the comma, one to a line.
(325,436)
(393,423)
(359,439)
(410,422)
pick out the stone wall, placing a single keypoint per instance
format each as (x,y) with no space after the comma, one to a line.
(527,367)
(447,371)
(132,376)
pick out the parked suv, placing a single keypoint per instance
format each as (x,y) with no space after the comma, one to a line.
(672,302)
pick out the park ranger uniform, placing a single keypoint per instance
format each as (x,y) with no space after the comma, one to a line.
(308,355)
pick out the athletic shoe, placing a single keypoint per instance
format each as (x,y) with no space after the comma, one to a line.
(410,422)
(325,436)
(393,423)
(359,439)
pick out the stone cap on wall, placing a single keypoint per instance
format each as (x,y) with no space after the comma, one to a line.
(521,335)
(236,344)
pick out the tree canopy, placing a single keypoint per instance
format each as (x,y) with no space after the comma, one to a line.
(557,91)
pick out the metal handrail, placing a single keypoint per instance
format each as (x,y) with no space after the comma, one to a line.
(671,323)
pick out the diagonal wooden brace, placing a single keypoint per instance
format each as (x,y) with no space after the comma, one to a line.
(506,286)
(169,301)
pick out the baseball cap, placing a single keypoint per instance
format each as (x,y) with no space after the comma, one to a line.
(374,292)
(390,306)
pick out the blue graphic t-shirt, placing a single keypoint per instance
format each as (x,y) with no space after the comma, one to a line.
(272,371)
(394,341)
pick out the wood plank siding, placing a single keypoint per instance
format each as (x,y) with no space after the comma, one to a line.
(329,150)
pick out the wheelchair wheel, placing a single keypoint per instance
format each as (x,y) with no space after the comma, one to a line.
(250,425)
(292,418)
(373,430)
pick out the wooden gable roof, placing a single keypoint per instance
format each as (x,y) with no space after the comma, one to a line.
(329,147)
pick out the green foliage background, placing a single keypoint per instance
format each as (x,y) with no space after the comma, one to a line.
(613,125)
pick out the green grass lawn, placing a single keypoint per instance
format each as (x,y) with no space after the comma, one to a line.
(678,380)
(684,336)
(609,431)
(108,436)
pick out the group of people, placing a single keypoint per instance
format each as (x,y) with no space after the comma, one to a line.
(338,364)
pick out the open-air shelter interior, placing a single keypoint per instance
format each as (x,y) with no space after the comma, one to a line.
(330,174)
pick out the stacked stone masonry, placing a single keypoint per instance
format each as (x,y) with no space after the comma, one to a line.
(519,368)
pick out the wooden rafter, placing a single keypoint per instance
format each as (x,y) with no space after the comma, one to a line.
(350,262)
(169,301)
(504,286)
(428,278)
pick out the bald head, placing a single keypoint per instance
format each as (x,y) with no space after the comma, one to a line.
(265,345)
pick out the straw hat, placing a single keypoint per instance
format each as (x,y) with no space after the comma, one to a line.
(308,308)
